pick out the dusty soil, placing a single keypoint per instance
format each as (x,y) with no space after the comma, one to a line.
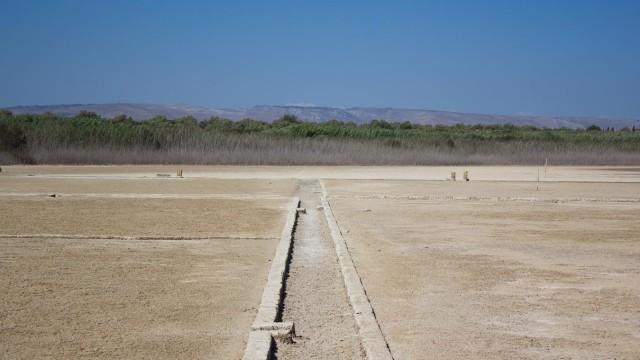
(497,279)
(484,190)
(489,268)
(498,173)
(316,300)
(69,215)
(102,298)
(108,299)
(46,184)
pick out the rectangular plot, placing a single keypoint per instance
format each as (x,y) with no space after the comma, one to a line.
(459,279)
(100,216)
(483,189)
(283,187)
(129,299)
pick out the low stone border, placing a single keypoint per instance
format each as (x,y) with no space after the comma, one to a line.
(260,345)
(371,337)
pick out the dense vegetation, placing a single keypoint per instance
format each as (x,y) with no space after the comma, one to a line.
(89,139)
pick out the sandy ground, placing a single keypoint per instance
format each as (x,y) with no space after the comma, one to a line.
(45,184)
(485,190)
(497,173)
(316,299)
(107,299)
(490,268)
(69,215)
(484,278)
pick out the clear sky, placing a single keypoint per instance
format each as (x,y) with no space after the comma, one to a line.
(558,57)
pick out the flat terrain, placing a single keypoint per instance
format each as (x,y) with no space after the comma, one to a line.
(149,217)
(460,270)
(123,263)
(189,289)
(494,173)
(79,183)
(69,298)
(546,191)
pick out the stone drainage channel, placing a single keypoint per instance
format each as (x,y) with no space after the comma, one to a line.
(314,304)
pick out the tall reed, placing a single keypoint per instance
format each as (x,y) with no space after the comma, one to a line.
(288,141)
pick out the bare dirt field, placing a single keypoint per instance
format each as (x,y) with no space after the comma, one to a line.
(453,271)
(48,184)
(160,217)
(69,298)
(485,190)
(497,267)
(189,289)
(495,173)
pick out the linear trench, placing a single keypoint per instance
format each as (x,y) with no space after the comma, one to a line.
(315,297)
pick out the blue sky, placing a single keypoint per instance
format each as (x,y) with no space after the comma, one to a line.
(540,57)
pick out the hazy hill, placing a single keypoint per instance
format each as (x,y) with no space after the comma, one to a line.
(357,115)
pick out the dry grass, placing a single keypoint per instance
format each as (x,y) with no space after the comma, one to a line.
(342,152)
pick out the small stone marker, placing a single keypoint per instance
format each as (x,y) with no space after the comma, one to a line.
(453,175)
(301,210)
(179,173)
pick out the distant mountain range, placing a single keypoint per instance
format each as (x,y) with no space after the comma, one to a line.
(317,114)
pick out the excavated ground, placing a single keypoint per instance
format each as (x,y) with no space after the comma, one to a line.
(498,267)
(316,299)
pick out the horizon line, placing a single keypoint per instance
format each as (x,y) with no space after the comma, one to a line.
(291,105)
